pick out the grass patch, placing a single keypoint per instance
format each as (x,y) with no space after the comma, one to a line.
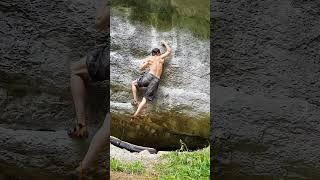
(131,168)
(186,165)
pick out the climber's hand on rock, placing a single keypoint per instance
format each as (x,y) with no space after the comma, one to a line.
(162,42)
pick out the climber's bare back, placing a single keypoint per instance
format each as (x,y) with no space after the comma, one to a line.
(156,61)
(155,64)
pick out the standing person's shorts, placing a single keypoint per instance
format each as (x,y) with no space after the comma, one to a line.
(151,82)
(98,64)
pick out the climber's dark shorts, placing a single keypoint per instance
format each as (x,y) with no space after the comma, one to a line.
(98,64)
(151,82)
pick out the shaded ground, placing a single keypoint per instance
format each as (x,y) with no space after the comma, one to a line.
(43,154)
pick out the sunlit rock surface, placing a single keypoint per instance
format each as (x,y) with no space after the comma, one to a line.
(181,108)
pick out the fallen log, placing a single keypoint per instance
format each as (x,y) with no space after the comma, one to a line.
(130,147)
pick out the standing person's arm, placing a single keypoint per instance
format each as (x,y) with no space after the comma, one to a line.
(103,16)
(168,49)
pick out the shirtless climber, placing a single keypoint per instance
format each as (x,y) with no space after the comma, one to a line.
(151,79)
(92,68)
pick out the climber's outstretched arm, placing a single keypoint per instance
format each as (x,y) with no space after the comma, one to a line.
(168,49)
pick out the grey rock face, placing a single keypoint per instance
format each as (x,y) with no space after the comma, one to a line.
(49,154)
(39,41)
(265,89)
(181,109)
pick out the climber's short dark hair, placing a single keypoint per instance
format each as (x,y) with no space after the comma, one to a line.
(155,51)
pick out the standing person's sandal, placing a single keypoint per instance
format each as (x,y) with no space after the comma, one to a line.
(82,172)
(79,173)
(79,131)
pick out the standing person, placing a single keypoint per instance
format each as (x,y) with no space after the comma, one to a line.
(151,79)
(92,68)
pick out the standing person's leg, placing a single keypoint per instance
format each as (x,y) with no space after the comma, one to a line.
(97,145)
(78,81)
(97,66)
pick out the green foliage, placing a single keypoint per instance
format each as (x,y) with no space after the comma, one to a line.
(130,168)
(193,15)
(185,165)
